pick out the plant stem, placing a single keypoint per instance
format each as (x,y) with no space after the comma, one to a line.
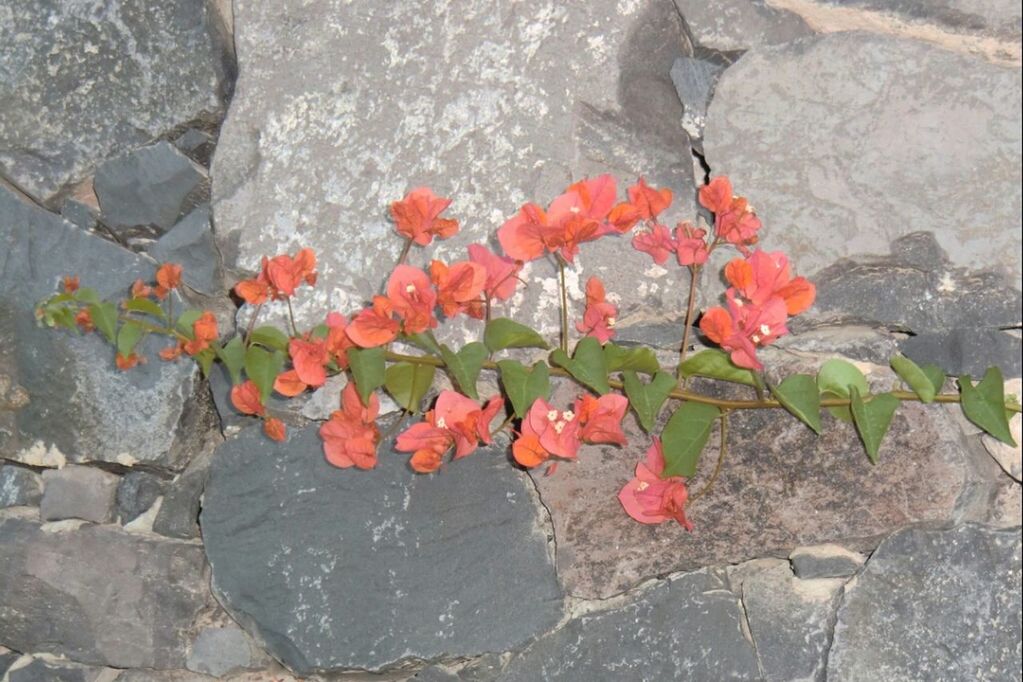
(564,303)
(252,325)
(404,252)
(694,271)
(291,318)
(722,451)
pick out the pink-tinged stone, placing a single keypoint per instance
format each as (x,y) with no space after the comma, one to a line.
(781,486)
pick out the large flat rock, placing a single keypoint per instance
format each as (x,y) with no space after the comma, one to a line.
(781,486)
(934,604)
(847,141)
(343,569)
(508,103)
(84,81)
(98,594)
(80,407)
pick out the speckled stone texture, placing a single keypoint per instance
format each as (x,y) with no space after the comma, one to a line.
(933,604)
(490,103)
(83,81)
(847,141)
(337,569)
(80,407)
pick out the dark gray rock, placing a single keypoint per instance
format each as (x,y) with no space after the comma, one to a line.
(178,516)
(19,487)
(99,595)
(79,492)
(824,561)
(132,71)
(6,659)
(730,25)
(933,604)
(688,627)
(335,569)
(80,407)
(955,315)
(192,141)
(39,670)
(219,651)
(854,341)
(146,187)
(78,214)
(136,493)
(694,80)
(854,141)
(790,620)
(190,243)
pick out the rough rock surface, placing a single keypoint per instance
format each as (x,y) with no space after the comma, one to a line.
(338,569)
(146,187)
(132,71)
(219,651)
(510,103)
(178,516)
(78,492)
(824,561)
(734,25)
(793,488)
(19,487)
(42,670)
(688,627)
(843,143)
(79,406)
(933,604)
(190,244)
(98,595)
(136,493)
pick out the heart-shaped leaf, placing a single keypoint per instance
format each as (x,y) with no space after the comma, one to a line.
(367,365)
(984,404)
(104,316)
(587,365)
(647,399)
(872,417)
(233,357)
(684,437)
(523,386)
(263,366)
(186,320)
(146,306)
(127,337)
(465,365)
(408,382)
(799,395)
(835,378)
(503,333)
(269,337)
(639,359)
(715,364)
(915,378)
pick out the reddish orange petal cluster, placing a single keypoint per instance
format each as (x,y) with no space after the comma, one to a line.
(274,429)
(125,362)
(350,436)
(502,272)
(649,201)
(279,277)
(459,285)
(246,398)
(417,217)
(70,284)
(412,297)
(600,317)
(455,422)
(734,219)
(374,326)
(548,432)
(204,332)
(649,498)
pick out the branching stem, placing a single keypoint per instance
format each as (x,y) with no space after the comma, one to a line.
(722,452)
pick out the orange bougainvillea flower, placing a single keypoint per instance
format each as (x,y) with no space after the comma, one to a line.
(350,436)
(374,326)
(648,498)
(279,277)
(734,219)
(528,234)
(556,431)
(140,289)
(83,318)
(716,195)
(417,217)
(289,384)
(71,284)
(246,398)
(455,421)
(125,362)
(337,341)
(253,291)
(548,432)
(596,197)
(170,353)
(458,285)
(204,331)
(528,451)
(413,298)
(766,274)
(657,243)
(309,357)
(690,245)
(601,418)
(649,201)
(623,217)
(600,316)
(274,429)
(502,272)
(168,277)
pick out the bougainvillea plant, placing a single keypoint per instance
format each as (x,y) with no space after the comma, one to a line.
(761,297)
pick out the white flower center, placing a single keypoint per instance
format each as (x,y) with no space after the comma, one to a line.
(756,339)
(552,415)
(765,330)
(559,427)
(574,209)
(410,288)
(441,424)
(611,321)
(643,485)
(568,415)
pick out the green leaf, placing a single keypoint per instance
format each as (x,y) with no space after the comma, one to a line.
(984,404)
(128,337)
(423,341)
(407,383)
(63,317)
(87,295)
(523,386)
(205,358)
(465,365)
(233,357)
(587,365)
(146,306)
(872,418)
(835,378)
(367,365)
(936,375)
(915,377)
(640,359)
(320,331)
(503,333)
(684,437)
(269,337)
(263,366)
(186,320)
(104,316)
(715,364)
(647,399)
(799,395)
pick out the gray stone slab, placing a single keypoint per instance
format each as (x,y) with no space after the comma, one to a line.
(857,139)
(99,595)
(334,569)
(79,492)
(190,243)
(19,487)
(82,82)
(80,407)
(694,80)
(220,651)
(824,561)
(995,18)
(146,187)
(934,604)
(136,493)
(512,102)
(730,25)
(39,670)
(179,512)
(689,627)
